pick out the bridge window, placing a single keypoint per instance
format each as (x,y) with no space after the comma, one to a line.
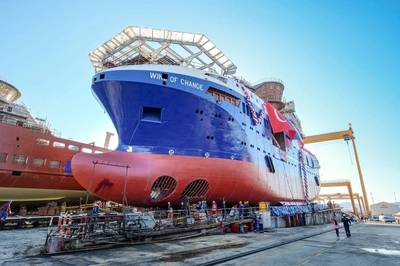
(20,159)
(57,144)
(44,142)
(38,161)
(220,96)
(87,150)
(73,147)
(54,164)
(3,157)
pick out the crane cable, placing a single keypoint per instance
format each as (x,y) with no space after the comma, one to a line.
(346,139)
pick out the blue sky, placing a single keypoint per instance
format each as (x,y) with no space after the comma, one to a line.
(339,60)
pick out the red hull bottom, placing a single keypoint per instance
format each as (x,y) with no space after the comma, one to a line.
(108,175)
(38,186)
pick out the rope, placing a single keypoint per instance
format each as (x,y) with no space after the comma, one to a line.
(255,118)
(303,175)
(348,149)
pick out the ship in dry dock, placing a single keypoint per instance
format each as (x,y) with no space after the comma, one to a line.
(189,129)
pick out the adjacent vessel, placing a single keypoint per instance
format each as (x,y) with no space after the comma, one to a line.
(34,164)
(189,129)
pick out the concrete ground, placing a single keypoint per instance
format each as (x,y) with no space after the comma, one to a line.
(370,244)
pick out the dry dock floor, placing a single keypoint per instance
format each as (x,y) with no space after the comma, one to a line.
(370,244)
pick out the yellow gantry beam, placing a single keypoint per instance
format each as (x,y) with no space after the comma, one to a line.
(341,196)
(335,183)
(328,136)
(346,135)
(342,183)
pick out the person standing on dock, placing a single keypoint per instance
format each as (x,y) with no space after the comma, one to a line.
(214,209)
(233,214)
(241,209)
(246,212)
(204,207)
(346,224)
(5,210)
(170,213)
(96,208)
(199,206)
(261,223)
(336,225)
(255,222)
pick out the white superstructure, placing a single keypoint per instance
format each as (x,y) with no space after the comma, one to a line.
(135,45)
(17,114)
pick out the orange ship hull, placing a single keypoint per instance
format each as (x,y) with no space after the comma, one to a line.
(33,165)
(130,178)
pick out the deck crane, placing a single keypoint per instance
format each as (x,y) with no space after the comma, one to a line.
(345,135)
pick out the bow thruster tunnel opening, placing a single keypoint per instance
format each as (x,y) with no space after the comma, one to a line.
(162,188)
(196,189)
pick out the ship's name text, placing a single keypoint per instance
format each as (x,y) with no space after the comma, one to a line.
(175,80)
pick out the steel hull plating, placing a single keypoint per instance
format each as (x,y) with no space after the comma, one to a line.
(29,181)
(193,137)
(109,175)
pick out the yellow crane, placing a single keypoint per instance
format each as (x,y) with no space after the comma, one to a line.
(340,183)
(345,135)
(342,196)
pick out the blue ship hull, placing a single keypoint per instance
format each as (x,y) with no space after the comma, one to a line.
(170,113)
